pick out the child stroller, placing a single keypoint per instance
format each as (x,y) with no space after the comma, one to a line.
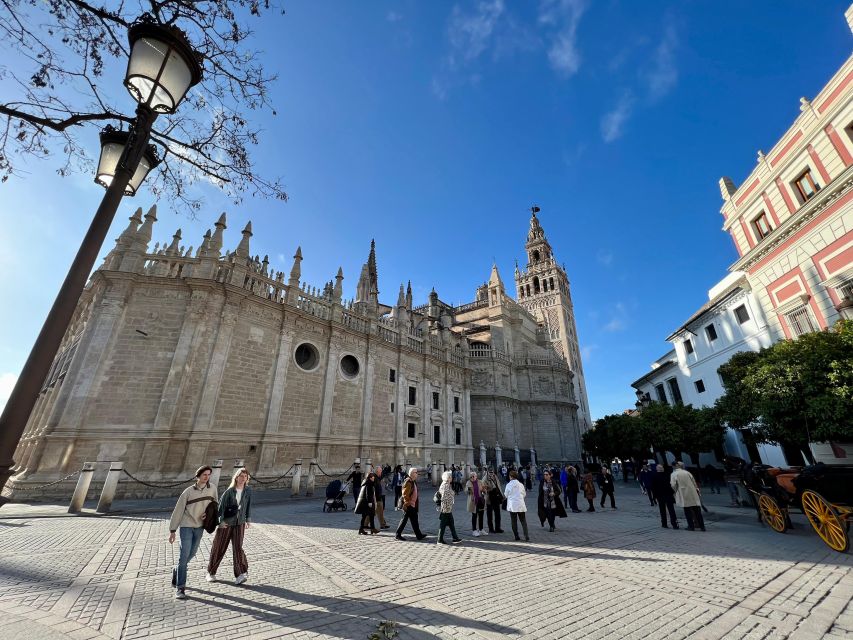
(335,494)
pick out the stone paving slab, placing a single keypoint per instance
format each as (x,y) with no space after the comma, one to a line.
(608,574)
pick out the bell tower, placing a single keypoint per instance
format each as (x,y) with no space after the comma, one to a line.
(543,290)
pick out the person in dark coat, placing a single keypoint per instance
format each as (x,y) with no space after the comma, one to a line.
(549,503)
(365,505)
(397,483)
(572,488)
(355,477)
(646,483)
(665,496)
(605,481)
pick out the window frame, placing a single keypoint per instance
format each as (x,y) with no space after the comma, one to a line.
(436,400)
(757,229)
(689,349)
(699,383)
(797,183)
(745,311)
(708,333)
(660,392)
(793,323)
(436,434)
(413,396)
(457,404)
(411,430)
(392,375)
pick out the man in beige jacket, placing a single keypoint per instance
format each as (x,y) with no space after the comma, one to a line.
(188,521)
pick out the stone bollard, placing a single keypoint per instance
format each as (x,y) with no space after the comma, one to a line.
(517,457)
(532,455)
(215,474)
(82,487)
(110,484)
(368,463)
(498,456)
(297,477)
(312,474)
(436,473)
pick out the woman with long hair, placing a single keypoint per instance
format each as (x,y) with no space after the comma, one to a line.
(515,493)
(235,507)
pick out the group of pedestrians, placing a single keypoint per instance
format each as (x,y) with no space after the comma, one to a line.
(199,508)
(668,490)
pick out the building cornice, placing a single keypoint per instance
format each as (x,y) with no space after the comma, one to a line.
(807,212)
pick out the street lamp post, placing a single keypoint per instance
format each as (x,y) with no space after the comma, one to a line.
(161,69)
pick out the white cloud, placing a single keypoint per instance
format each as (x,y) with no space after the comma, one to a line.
(604,257)
(618,320)
(616,324)
(565,15)
(393,16)
(613,122)
(7,383)
(662,77)
(469,33)
(586,351)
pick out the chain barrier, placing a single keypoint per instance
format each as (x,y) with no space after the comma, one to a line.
(156,485)
(330,475)
(45,486)
(259,481)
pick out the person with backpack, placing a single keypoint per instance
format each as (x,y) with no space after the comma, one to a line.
(409,505)
(192,512)
(235,508)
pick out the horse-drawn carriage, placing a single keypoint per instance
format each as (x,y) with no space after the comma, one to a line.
(823,492)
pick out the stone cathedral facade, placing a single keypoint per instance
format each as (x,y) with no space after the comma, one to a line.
(175,358)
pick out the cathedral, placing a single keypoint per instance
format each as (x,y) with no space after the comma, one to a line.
(175,358)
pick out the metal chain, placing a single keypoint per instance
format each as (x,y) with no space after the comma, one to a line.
(156,485)
(329,475)
(259,481)
(49,484)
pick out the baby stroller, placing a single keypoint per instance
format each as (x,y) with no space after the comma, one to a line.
(335,494)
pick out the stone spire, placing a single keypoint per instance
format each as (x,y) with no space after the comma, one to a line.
(338,291)
(295,270)
(243,247)
(372,271)
(172,250)
(409,296)
(143,236)
(129,233)
(362,289)
(204,247)
(401,297)
(216,240)
(495,277)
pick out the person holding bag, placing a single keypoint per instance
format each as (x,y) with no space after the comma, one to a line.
(234,510)
(494,500)
(188,520)
(365,506)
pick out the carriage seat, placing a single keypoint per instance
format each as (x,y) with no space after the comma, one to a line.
(784,478)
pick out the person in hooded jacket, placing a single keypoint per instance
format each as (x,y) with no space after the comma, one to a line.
(589,489)
(365,505)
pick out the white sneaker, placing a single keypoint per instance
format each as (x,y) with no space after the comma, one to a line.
(475,533)
(210,577)
(483,532)
(241,578)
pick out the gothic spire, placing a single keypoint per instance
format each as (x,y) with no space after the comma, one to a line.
(536,232)
(243,247)
(401,297)
(296,270)
(143,236)
(130,231)
(216,240)
(372,273)
(176,241)
(409,296)
(338,290)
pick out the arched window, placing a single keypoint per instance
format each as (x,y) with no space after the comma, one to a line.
(535,284)
(527,286)
(551,283)
(535,255)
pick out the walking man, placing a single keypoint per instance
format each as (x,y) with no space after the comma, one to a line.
(664,496)
(187,522)
(572,488)
(607,487)
(355,477)
(410,506)
(380,499)
(687,495)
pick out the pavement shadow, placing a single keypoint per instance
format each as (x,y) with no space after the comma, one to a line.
(337,611)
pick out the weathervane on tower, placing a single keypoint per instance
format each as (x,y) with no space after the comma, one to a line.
(534,210)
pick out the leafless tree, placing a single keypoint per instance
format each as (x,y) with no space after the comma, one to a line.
(57,85)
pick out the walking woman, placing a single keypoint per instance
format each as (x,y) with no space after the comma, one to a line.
(549,503)
(188,521)
(365,505)
(589,489)
(476,504)
(235,507)
(445,509)
(515,493)
(572,489)
(494,500)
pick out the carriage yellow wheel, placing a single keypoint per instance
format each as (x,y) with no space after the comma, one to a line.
(825,521)
(771,513)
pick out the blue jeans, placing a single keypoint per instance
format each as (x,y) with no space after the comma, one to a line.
(188,538)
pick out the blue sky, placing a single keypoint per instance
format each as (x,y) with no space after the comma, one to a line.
(433,126)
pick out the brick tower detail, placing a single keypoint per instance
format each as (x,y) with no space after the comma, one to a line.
(543,290)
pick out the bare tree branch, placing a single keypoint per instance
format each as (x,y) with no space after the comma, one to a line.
(58,51)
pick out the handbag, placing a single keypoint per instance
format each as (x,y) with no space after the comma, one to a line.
(437,497)
(503,504)
(231,511)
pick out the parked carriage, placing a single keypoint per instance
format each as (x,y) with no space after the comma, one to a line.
(823,492)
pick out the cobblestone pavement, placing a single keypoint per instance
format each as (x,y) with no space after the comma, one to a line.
(608,574)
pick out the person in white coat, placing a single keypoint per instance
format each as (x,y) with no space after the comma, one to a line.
(687,496)
(515,493)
